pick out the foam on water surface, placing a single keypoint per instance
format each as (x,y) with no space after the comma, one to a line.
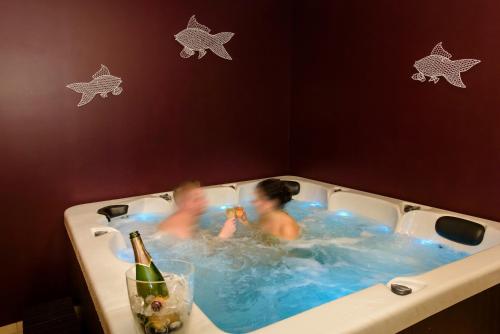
(245,283)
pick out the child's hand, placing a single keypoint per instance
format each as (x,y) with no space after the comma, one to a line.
(230,213)
(228,229)
(240,212)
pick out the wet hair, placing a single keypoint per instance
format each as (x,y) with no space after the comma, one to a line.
(275,189)
(185,186)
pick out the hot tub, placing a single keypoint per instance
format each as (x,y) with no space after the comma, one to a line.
(471,265)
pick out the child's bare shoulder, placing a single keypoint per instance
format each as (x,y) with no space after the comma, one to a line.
(286,217)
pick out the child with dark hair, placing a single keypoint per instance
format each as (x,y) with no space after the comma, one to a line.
(271,195)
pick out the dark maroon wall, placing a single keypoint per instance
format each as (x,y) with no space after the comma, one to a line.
(210,119)
(358,119)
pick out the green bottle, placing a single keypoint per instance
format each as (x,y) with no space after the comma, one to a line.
(152,282)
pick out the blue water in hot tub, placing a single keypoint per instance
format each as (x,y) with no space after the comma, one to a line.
(244,284)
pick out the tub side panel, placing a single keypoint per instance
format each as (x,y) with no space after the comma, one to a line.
(367,206)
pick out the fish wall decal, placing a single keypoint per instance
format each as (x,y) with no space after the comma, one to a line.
(197,37)
(439,63)
(102,83)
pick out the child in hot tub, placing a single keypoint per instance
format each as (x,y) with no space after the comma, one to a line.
(191,204)
(271,196)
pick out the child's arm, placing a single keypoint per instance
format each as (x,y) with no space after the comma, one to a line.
(228,229)
(167,223)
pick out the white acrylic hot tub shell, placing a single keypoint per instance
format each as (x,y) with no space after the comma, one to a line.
(372,310)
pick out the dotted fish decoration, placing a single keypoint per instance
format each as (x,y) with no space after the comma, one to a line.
(439,63)
(197,38)
(102,83)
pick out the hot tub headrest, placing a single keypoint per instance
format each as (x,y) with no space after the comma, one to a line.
(293,187)
(112,211)
(460,230)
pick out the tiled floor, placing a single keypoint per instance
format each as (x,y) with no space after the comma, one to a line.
(15,328)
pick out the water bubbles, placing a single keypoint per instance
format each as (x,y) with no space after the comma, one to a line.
(243,284)
(126,254)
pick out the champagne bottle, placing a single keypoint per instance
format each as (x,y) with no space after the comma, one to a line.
(150,280)
(152,287)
